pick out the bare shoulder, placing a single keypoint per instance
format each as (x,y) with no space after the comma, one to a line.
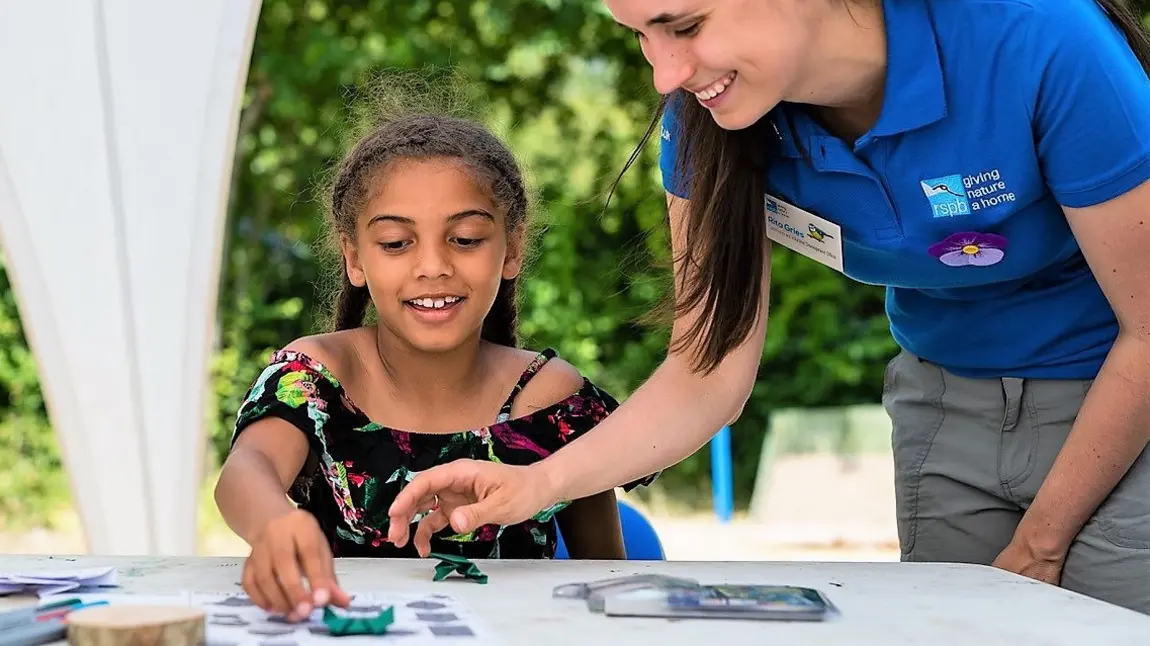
(556,381)
(335,350)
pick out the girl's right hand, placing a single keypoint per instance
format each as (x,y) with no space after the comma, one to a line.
(289,550)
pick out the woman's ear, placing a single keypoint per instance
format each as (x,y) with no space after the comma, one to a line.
(351,263)
(513,260)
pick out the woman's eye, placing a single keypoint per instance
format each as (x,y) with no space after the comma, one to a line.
(468,242)
(688,31)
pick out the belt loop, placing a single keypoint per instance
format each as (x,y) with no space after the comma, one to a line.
(1012,394)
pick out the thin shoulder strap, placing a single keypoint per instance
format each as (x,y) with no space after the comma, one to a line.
(536,365)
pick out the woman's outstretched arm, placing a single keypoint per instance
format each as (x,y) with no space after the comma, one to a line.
(667,419)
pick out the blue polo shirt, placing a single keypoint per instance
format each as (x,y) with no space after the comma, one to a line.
(996,112)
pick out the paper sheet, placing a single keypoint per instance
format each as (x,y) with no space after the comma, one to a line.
(57,581)
(232,620)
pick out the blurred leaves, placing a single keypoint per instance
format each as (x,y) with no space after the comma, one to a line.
(32,481)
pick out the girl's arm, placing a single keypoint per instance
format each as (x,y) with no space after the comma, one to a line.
(591,528)
(670,416)
(255,478)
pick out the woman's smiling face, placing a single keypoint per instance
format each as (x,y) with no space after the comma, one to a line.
(739,58)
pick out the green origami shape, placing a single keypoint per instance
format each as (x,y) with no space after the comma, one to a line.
(340,625)
(449,563)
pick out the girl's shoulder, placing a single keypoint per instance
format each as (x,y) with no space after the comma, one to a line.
(308,365)
(546,381)
(330,351)
(552,399)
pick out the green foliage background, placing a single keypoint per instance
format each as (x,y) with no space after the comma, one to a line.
(572,94)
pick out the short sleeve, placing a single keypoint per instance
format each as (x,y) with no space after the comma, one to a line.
(1091,102)
(583,412)
(669,142)
(295,389)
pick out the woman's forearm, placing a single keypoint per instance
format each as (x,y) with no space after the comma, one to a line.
(249,493)
(664,421)
(1111,430)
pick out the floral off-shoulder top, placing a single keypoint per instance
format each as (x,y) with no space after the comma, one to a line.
(357,466)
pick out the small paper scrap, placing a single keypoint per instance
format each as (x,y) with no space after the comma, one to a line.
(50,582)
(449,563)
(341,624)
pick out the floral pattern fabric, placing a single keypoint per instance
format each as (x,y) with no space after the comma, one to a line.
(357,466)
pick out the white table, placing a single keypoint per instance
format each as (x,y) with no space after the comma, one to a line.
(881,603)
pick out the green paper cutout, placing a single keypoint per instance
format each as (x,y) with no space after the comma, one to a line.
(372,625)
(449,563)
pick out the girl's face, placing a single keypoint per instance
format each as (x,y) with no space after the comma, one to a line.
(432,248)
(738,57)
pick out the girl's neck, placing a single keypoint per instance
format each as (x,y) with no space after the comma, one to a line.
(431,381)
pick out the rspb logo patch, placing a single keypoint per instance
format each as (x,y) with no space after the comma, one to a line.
(947,196)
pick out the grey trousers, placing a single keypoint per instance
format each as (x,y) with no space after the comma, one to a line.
(969,457)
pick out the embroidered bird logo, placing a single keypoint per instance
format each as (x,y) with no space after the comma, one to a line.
(931,191)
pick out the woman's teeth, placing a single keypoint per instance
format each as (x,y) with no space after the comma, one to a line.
(435,303)
(716,88)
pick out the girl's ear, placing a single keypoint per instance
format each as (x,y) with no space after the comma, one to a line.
(513,261)
(351,263)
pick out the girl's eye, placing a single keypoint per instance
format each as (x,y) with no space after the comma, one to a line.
(397,245)
(468,242)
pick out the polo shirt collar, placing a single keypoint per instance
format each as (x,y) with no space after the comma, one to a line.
(914,92)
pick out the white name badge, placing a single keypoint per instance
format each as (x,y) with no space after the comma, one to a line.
(804,232)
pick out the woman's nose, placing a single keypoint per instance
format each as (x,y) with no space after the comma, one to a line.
(671,67)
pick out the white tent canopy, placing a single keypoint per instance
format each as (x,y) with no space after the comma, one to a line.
(117,131)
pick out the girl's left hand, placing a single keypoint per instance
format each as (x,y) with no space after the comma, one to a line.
(1019,557)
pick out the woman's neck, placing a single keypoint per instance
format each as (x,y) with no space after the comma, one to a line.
(431,381)
(847,69)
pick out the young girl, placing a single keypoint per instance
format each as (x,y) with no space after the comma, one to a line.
(430,216)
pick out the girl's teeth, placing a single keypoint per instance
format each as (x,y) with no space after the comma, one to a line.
(435,303)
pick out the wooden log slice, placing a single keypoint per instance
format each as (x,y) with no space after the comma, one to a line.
(136,626)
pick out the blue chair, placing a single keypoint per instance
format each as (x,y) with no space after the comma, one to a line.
(639,538)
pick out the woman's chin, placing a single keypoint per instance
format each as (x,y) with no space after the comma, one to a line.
(736,117)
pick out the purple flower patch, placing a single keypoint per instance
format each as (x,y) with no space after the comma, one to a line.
(968,248)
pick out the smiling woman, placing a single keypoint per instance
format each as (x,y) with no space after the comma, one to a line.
(429,213)
(986,161)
